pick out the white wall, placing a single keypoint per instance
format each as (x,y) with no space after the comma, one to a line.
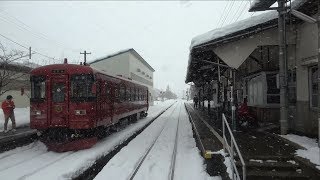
(19,101)
(136,64)
(116,65)
(306,49)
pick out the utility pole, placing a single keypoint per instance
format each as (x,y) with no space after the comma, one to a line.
(29,52)
(85,57)
(318,22)
(282,68)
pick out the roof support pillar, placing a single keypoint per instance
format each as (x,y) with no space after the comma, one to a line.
(283,68)
(318,22)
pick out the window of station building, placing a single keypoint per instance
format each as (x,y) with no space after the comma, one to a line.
(292,86)
(313,86)
(273,92)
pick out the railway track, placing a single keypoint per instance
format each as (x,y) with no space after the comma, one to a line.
(147,153)
(33,160)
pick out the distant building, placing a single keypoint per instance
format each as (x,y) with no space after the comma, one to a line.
(129,64)
(16,82)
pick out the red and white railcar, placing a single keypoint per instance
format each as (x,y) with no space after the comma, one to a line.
(70,101)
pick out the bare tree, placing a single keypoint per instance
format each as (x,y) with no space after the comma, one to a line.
(13,75)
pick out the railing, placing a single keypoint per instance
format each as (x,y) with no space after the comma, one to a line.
(230,149)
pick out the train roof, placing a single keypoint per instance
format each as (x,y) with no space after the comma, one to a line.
(75,69)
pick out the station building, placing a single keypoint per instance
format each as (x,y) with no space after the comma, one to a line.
(129,64)
(250,48)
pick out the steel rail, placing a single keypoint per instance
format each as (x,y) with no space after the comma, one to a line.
(196,131)
(174,154)
(138,165)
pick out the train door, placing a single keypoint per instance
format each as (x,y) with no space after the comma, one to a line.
(58,102)
(100,99)
(108,103)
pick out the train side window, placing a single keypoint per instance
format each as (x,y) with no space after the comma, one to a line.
(116,92)
(122,93)
(128,98)
(107,88)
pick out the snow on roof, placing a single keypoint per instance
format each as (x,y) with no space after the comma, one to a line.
(124,51)
(239,26)
(111,55)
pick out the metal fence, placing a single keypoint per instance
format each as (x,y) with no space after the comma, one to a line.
(231,150)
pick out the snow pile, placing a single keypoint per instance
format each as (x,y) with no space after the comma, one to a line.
(22,116)
(312,150)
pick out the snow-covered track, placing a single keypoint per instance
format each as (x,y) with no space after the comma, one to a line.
(91,172)
(164,150)
(142,159)
(34,161)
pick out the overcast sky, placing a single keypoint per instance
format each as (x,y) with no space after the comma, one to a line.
(160,32)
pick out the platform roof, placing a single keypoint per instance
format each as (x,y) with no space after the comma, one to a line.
(206,42)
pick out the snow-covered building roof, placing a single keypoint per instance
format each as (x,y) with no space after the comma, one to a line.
(131,50)
(238,27)
(202,45)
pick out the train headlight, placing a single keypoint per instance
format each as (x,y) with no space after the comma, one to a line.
(80,112)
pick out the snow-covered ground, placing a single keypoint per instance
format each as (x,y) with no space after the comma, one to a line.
(35,162)
(189,164)
(311,153)
(22,116)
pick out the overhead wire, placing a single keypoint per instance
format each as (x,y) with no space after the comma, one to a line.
(227,14)
(237,11)
(243,10)
(30,30)
(19,44)
(221,17)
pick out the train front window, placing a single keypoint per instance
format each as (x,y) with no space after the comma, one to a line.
(38,88)
(82,87)
(58,92)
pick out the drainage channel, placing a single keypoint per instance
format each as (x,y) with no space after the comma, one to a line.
(92,171)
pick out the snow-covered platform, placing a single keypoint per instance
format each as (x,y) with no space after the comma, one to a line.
(267,155)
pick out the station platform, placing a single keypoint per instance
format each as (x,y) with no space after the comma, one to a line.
(267,156)
(22,136)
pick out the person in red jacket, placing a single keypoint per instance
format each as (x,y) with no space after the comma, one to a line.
(8,107)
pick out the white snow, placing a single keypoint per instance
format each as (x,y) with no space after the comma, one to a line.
(22,116)
(271,161)
(189,164)
(311,151)
(256,160)
(35,162)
